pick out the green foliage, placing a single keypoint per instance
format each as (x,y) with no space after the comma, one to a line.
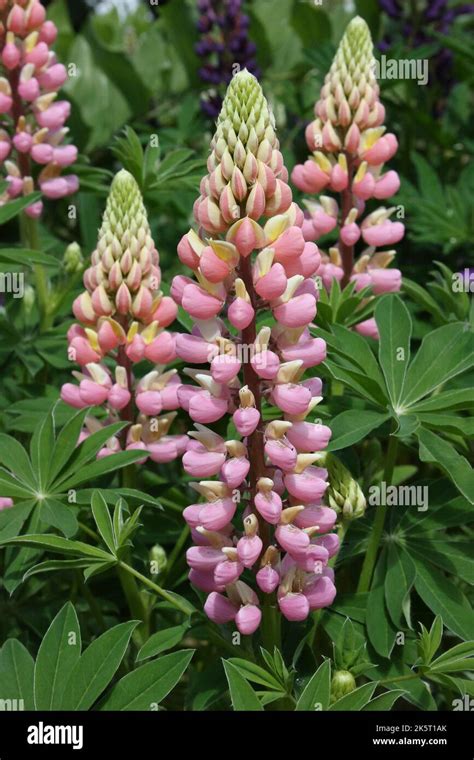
(64,679)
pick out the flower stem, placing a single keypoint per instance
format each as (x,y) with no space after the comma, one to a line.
(271,624)
(134,599)
(251,379)
(379,522)
(154,587)
(346,251)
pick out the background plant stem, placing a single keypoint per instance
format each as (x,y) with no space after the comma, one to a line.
(379,522)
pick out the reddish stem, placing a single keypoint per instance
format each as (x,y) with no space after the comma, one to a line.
(252,380)
(347,251)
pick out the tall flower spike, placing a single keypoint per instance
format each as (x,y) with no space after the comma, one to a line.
(32,133)
(250,258)
(349,147)
(122,315)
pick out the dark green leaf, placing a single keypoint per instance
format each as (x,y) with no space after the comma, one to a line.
(395,326)
(148,685)
(94,670)
(58,653)
(161,641)
(317,691)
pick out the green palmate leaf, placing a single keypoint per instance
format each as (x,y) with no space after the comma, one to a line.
(58,653)
(448,400)
(59,515)
(15,458)
(13,208)
(10,486)
(162,641)
(380,629)
(93,672)
(384,702)
(146,687)
(355,700)
(450,423)
(355,349)
(454,557)
(41,446)
(27,257)
(357,382)
(49,542)
(352,426)
(443,354)
(395,326)
(101,467)
(66,442)
(445,599)
(255,673)
(435,449)
(242,695)
(19,561)
(317,692)
(434,638)
(399,579)
(422,297)
(52,565)
(101,514)
(464,651)
(16,676)
(88,449)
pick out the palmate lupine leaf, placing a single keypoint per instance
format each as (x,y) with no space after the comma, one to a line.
(64,679)
(415,394)
(39,482)
(116,535)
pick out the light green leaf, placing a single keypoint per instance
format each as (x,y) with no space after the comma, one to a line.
(146,687)
(15,458)
(41,446)
(462,398)
(27,257)
(59,515)
(53,565)
(161,641)
(395,326)
(317,691)
(355,700)
(57,544)
(444,353)
(352,426)
(255,673)
(58,653)
(384,702)
(242,695)
(101,467)
(66,442)
(11,486)
(101,514)
(13,208)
